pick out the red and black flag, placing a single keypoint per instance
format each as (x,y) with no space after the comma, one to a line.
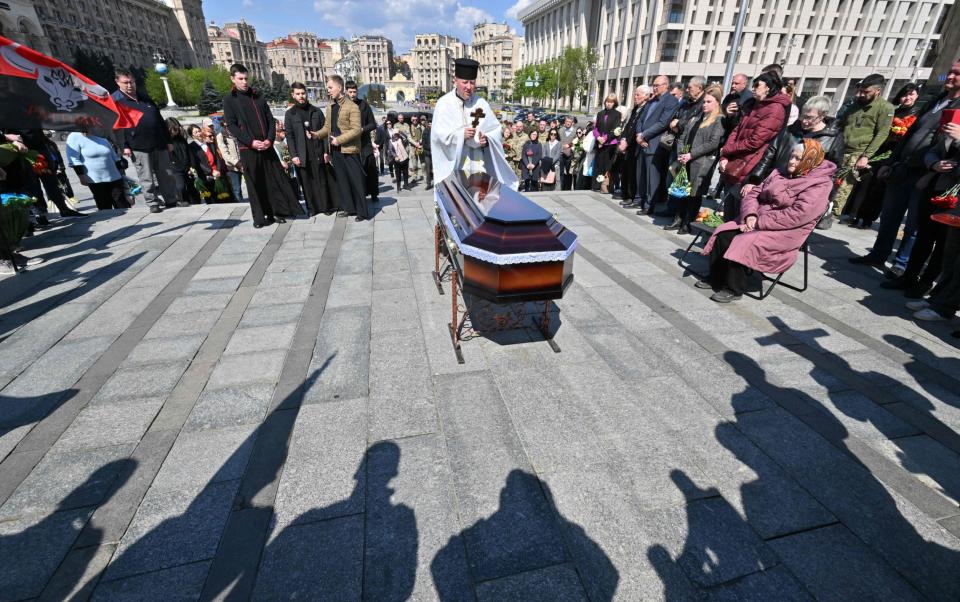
(39,92)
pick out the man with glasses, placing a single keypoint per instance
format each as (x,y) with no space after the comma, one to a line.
(655,120)
(866,124)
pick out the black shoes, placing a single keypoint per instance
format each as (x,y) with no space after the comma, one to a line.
(704,284)
(674,225)
(155,209)
(71,213)
(900,283)
(725,296)
(627,203)
(867,260)
(683,229)
(918,291)
(281,220)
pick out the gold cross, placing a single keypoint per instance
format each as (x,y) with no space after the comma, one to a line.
(477,115)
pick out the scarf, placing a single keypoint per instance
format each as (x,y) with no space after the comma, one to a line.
(812,157)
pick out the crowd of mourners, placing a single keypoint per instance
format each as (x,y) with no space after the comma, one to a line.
(776,167)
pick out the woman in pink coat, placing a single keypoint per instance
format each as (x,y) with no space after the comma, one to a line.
(775,219)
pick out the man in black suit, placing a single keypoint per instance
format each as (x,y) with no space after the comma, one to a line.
(380,139)
(630,148)
(657,115)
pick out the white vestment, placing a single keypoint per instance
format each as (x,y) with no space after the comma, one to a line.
(451,117)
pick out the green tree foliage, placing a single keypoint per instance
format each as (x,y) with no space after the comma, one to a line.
(186,85)
(567,77)
(97,66)
(211,100)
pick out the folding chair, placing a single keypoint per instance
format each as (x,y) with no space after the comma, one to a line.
(703,232)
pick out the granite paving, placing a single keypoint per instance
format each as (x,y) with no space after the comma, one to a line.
(191,408)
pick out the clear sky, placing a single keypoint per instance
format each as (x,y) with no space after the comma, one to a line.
(399,20)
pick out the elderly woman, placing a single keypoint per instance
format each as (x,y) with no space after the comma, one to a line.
(775,220)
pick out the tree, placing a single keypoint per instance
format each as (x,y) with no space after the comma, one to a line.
(97,66)
(187,85)
(211,101)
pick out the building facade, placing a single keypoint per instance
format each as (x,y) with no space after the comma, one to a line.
(348,67)
(433,56)
(129,32)
(498,51)
(826,46)
(300,57)
(237,43)
(20,23)
(375,57)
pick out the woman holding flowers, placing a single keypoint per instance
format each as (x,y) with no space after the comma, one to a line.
(207,163)
(699,141)
(606,133)
(530,156)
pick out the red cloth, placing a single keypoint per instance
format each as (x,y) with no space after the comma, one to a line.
(760,124)
(208,151)
(787,210)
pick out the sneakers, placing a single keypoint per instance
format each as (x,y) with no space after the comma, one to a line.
(929,315)
(704,284)
(6,267)
(918,304)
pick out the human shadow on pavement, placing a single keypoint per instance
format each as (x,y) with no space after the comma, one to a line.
(925,556)
(29,558)
(222,520)
(319,555)
(16,412)
(525,550)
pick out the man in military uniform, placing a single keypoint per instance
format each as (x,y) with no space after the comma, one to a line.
(516,146)
(866,124)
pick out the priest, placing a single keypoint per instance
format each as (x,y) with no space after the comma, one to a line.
(465,134)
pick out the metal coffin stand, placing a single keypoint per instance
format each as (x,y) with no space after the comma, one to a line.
(502,250)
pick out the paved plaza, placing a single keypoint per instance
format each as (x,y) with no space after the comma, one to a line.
(195,409)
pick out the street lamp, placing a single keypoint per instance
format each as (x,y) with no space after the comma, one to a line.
(161,68)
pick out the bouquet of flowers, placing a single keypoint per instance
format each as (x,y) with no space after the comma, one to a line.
(37,162)
(15,216)
(842,173)
(947,200)
(902,124)
(132,188)
(200,186)
(220,190)
(680,187)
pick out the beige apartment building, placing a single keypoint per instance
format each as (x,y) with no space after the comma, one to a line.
(301,57)
(237,43)
(826,46)
(433,56)
(374,56)
(499,53)
(130,32)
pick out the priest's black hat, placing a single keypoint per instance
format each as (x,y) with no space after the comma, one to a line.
(465,68)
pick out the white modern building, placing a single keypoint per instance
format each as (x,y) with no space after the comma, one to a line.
(825,46)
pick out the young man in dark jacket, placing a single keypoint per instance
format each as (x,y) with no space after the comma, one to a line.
(368,123)
(247,116)
(148,144)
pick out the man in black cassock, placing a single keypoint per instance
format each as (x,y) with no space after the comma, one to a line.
(368,125)
(306,152)
(247,116)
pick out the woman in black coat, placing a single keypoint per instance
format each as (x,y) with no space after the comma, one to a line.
(530,156)
(180,163)
(700,138)
(606,136)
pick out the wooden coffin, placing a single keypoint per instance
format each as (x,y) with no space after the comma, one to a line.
(507,248)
